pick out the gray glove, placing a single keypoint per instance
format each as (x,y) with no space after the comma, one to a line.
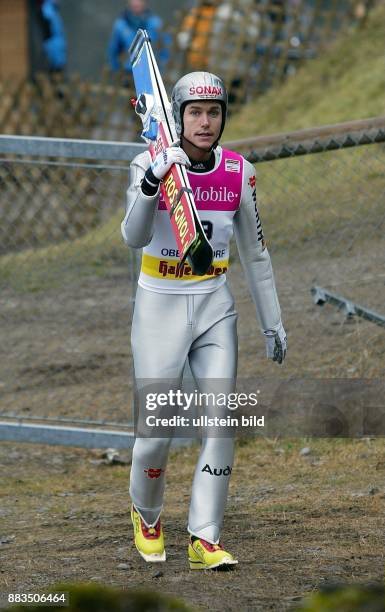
(276,343)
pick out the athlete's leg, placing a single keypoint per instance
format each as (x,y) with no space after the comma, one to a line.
(213,361)
(160,339)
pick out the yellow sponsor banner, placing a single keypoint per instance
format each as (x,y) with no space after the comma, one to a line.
(173,269)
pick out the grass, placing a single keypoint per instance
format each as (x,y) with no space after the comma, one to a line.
(309,198)
(345,82)
(318,197)
(57,265)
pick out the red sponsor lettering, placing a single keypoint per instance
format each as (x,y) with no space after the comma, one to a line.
(252,181)
(205,90)
(181,270)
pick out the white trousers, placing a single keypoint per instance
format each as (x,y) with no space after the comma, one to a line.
(167,331)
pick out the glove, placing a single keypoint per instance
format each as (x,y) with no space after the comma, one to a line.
(276,344)
(165,159)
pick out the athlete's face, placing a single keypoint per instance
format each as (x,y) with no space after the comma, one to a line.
(202,123)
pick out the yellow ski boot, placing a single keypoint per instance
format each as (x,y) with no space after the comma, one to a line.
(204,555)
(149,541)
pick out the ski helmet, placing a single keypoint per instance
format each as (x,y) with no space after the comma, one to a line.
(197,86)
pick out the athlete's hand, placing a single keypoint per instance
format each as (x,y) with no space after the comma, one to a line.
(165,159)
(276,344)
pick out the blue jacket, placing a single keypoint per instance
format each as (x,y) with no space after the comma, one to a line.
(123,33)
(55,42)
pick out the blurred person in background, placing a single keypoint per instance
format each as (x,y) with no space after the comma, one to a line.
(216,34)
(136,16)
(236,30)
(54,36)
(361,10)
(196,33)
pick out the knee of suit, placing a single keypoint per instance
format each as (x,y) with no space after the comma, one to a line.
(218,447)
(148,450)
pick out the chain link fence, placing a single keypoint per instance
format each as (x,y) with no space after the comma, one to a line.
(321,199)
(68,281)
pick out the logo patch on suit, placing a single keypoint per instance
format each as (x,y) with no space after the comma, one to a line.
(232,165)
(153,472)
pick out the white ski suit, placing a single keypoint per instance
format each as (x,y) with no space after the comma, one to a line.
(180,317)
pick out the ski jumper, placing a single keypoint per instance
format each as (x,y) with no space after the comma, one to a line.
(181,317)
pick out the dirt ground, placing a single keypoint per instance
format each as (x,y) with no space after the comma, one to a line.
(295,521)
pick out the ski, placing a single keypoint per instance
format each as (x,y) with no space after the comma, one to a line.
(154,109)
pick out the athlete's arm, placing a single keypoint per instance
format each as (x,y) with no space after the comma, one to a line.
(255,257)
(137,226)
(143,193)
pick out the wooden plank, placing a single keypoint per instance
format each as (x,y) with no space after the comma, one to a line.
(13,39)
